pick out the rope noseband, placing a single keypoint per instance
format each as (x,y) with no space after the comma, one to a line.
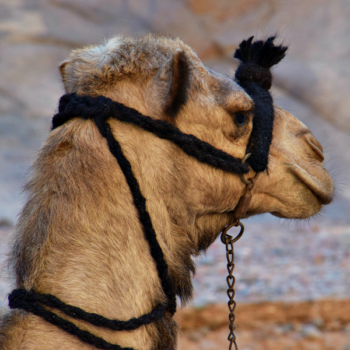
(252,76)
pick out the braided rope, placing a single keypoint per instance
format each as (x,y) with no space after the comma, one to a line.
(140,204)
(19,297)
(87,107)
(85,336)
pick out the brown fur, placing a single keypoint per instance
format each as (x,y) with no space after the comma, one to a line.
(78,236)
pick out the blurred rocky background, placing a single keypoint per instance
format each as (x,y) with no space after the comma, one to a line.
(281,262)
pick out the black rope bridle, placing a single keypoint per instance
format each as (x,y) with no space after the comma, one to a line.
(253,75)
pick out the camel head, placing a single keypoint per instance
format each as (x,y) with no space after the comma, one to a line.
(163,78)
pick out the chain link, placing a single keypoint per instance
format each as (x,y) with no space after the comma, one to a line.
(230,255)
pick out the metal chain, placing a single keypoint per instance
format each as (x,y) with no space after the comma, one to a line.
(230,255)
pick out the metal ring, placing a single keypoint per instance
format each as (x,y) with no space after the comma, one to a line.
(247,182)
(256,176)
(224,233)
(246,157)
(250,180)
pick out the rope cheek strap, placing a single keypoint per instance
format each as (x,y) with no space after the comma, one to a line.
(257,57)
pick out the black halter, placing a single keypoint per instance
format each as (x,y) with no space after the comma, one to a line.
(254,76)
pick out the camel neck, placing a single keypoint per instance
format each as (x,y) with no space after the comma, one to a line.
(99,259)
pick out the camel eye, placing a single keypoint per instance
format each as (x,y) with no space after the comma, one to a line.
(240,119)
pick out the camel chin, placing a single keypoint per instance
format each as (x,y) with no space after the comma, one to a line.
(307,206)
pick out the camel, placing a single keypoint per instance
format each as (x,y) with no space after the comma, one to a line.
(78,238)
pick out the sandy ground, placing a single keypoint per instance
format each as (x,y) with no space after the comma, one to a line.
(314,325)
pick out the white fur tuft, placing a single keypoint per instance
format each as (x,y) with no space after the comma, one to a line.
(101,55)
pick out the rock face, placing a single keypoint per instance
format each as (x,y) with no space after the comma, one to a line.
(35,35)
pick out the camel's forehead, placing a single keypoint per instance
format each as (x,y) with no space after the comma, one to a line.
(228,93)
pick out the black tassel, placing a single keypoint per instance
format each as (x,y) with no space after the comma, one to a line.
(254,75)
(262,53)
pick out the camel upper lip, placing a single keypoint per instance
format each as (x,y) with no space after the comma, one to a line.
(316,178)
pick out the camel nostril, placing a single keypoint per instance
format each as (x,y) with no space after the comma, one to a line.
(315,146)
(316,142)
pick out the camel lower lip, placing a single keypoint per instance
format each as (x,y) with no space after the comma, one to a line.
(321,186)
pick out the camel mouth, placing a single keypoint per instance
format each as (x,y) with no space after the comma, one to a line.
(317,179)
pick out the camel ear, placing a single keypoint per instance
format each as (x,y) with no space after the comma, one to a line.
(63,71)
(176,73)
